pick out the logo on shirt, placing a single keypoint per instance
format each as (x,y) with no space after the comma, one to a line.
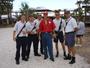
(49,22)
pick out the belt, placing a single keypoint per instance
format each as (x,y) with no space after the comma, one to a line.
(21,37)
(58,31)
(46,32)
(70,32)
(31,34)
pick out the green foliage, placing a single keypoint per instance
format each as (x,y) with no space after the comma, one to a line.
(87,5)
(25,9)
(6,6)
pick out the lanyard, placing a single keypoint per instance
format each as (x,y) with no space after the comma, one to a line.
(68,21)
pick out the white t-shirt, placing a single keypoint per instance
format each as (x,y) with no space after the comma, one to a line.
(70,25)
(81,28)
(18,26)
(37,21)
(57,23)
(30,26)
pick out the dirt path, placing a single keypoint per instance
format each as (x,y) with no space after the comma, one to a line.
(85,49)
(7,54)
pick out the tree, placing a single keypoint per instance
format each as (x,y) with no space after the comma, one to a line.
(6,7)
(86,6)
(83,5)
(25,9)
(79,9)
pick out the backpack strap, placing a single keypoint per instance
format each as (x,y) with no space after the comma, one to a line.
(60,25)
(34,27)
(21,30)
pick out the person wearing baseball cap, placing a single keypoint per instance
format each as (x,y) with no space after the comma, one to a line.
(46,28)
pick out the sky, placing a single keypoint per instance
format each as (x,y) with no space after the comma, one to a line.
(48,4)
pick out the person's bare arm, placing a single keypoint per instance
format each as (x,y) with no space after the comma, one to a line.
(75,29)
(14,33)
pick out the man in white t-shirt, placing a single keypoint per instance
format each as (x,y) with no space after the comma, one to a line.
(60,25)
(31,28)
(19,35)
(37,21)
(70,29)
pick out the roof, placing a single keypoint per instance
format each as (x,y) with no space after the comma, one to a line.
(6,17)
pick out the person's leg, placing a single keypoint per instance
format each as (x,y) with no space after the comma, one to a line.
(77,39)
(81,40)
(61,39)
(69,51)
(72,47)
(44,41)
(50,46)
(29,41)
(57,50)
(24,49)
(64,50)
(68,47)
(73,55)
(73,51)
(41,44)
(68,57)
(35,45)
(18,46)
(56,45)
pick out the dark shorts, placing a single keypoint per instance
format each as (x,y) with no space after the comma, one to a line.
(70,39)
(79,35)
(59,37)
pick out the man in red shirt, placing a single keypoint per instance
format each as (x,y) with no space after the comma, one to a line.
(46,28)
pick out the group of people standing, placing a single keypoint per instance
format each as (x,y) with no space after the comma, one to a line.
(43,30)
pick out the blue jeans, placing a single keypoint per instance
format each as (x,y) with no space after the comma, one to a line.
(47,44)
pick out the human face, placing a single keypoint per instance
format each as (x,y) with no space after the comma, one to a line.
(23,18)
(66,15)
(45,15)
(39,17)
(31,18)
(57,15)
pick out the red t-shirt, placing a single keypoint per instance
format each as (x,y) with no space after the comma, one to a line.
(49,27)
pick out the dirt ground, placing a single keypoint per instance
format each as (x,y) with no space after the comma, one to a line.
(85,49)
(8,49)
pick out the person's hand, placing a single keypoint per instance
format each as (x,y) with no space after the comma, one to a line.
(14,38)
(28,32)
(54,35)
(32,33)
(24,32)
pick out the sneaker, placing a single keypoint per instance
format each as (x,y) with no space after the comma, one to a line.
(72,61)
(45,58)
(52,59)
(37,55)
(17,62)
(57,54)
(24,59)
(68,57)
